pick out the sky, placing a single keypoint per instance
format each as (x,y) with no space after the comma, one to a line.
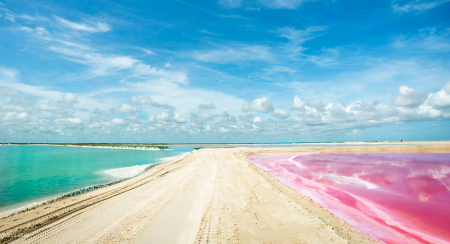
(224,71)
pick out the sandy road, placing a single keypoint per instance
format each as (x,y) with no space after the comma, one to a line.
(208,196)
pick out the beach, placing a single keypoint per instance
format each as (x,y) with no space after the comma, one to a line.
(212,195)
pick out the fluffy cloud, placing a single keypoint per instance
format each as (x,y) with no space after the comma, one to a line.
(48,107)
(263,105)
(281,113)
(167,116)
(142,100)
(317,104)
(12,116)
(126,108)
(147,100)
(70,98)
(298,103)
(409,97)
(408,106)
(117,121)
(442,97)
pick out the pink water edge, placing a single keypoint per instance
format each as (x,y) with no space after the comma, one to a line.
(391,197)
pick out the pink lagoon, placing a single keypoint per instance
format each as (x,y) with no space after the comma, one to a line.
(391,197)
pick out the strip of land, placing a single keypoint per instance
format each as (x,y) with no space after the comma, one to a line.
(208,196)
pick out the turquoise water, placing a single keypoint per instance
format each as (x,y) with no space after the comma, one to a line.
(33,173)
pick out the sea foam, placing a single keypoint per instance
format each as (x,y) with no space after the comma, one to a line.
(127,172)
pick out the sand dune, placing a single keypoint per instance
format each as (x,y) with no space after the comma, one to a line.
(209,195)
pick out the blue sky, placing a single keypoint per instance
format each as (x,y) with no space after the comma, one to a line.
(224,71)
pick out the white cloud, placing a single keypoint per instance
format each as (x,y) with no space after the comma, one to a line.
(409,97)
(167,116)
(442,97)
(10,107)
(257,120)
(148,51)
(263,105)
(298,103)
(142,100)
(417,5)
(101,64)
(126,108)
(163,116)
(41,31)
(73,121)
(207,128)
(317,104)
(94,26)
(70,98)
(224,130)
(12,116)
(205,116)
(33,18)
(281,113)
(117,121)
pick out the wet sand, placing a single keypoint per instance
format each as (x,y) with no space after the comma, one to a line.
(210,195)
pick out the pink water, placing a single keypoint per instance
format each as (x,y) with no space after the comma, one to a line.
(392,197)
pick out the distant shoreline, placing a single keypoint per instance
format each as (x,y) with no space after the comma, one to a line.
(218,143)
(126,147)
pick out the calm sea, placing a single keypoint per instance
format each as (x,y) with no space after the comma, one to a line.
(33,173)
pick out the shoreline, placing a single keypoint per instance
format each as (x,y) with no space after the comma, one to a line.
(32,204)
(212,188)
(28,205)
